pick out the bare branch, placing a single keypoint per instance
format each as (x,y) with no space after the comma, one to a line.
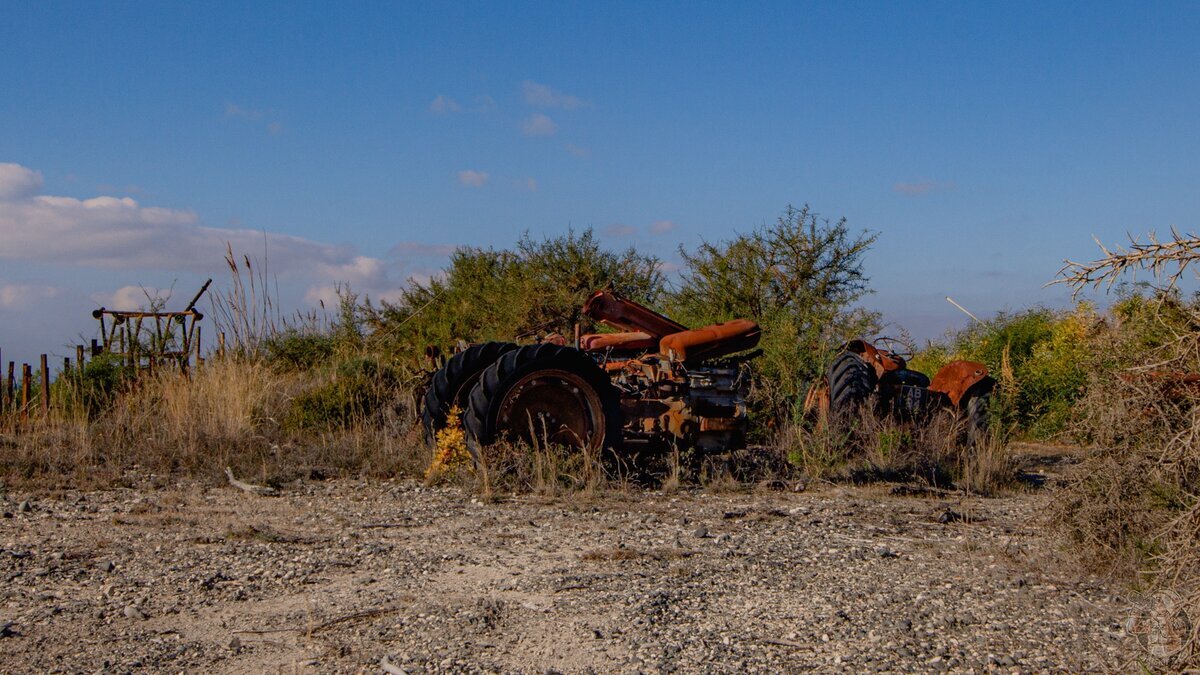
(1166,260)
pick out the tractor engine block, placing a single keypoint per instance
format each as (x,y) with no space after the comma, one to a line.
(664,403)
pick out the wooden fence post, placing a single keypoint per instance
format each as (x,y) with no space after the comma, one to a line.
(12,383)
(26,390)
(79,358)
(95,348)
(45,386)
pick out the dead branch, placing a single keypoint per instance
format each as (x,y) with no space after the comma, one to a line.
(260,490)
(392,669)
(1153,256)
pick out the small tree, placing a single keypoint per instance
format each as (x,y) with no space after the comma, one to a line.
(536,288)
(797,278)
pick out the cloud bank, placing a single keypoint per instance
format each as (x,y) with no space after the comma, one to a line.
(110,233)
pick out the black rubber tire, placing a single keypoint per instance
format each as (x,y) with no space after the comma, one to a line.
(481,417)
(851,383)
(978,409)
(452,383)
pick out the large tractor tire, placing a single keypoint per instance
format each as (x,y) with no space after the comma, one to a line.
(851,383)
(978,416)
(451,384)
(543,394)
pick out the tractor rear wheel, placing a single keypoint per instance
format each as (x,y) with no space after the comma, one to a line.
(978,417)
(451,384)
(851,383)
(544,394)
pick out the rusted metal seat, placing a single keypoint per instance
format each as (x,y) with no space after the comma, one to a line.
(635,341)
(710,342)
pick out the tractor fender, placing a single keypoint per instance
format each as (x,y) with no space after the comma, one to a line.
(881,361)
(956,378)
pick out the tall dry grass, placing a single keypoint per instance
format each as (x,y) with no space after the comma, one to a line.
(872,448)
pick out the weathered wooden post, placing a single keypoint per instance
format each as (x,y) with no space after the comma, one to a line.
(95,347)
(79,358)
(26,390)
(12,383)
(45,387)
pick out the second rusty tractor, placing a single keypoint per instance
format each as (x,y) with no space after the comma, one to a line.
(652,384)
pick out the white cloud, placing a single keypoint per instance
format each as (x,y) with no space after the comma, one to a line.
(132,297)
(121,234)
(416,249)
(24,296)
(538,124)
(235,110)
(546,97)
(921,188)
(272,126)
(472,178)
(444,104)
(619,230)
(17,182)
(662,226)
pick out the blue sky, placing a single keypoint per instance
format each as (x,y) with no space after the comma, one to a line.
(984,142)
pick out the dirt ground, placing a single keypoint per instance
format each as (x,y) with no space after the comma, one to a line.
(343,576)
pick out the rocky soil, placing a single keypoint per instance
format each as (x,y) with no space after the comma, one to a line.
(344,576)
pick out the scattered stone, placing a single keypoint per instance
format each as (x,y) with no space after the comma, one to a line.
(132,612)
(885,552)
(236,644)
(6,629)
(700,532)
(106,566)
(24,507)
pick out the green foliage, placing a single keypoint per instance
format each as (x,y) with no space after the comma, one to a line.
(357,389)
(298,350)
(536,288)
(1041,357)
(97,387)
(797,278)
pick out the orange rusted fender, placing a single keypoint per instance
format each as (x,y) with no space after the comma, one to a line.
(635,341)
(956,377)
(881,361)
(719,339)
(611,309)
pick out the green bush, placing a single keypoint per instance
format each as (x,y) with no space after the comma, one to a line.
(798,278)
(96,387)
(536,288)
(358,389)
(299,350)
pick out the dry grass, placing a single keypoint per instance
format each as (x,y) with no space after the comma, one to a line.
(870,448)
(226,414)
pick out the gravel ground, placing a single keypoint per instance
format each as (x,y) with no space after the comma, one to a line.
(337,576)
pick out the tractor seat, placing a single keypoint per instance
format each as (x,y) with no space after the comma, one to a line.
(618,342)
(710,342)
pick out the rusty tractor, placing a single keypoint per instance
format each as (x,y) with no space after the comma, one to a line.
(875,376)
(653,383)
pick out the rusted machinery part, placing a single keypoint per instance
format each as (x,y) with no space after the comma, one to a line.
(957,378)
(711,342)
(816,402)
(880,361)
(544,394)
(623,342)
(623,314)
(852,380)
(452,383)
